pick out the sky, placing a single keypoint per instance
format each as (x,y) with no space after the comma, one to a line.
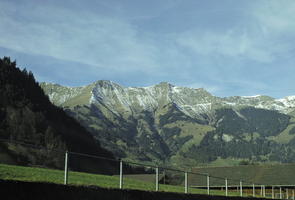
(228,47)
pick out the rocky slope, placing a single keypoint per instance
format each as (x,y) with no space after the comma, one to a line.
(169,124)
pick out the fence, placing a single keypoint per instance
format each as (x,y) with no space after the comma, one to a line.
(132,175)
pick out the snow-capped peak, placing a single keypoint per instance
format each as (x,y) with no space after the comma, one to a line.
(191,101)
(254,96)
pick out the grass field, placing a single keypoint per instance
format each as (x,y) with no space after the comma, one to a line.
(11,172)
(277,174)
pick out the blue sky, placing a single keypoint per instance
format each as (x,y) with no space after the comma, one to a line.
(228,47)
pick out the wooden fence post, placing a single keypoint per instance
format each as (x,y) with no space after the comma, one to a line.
(185,183)
(241,188)
(263,190)
(66,168)
(121,174)
(157,179)
(281,196)
(226,187)
(208,184)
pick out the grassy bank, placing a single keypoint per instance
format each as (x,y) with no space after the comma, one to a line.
(33,174)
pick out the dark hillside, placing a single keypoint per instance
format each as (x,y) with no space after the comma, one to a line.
(26,114)
(245,133)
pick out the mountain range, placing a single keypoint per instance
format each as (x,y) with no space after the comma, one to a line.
(172,125)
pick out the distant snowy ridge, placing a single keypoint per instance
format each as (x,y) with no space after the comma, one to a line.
(254,96)
(173,123)
(192,102)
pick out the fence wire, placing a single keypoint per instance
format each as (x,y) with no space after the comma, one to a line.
(133,175)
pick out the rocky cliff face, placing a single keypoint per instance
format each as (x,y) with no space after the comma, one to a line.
(167,123)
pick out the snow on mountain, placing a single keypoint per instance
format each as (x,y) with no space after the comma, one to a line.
(155,122)
(254,96)
(192,102)
(60,94)
(287,101)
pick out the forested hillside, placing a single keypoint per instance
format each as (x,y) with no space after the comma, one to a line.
(27,115)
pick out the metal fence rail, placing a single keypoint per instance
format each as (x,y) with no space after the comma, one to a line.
(242,187)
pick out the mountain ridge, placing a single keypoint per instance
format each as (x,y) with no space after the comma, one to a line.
(164,123)
(259,101)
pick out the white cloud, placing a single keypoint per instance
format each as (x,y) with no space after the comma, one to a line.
(276,17)
(232,43)
(79,37)
(123,42)
(264,36)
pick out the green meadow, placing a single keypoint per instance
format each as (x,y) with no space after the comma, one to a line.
(34,174)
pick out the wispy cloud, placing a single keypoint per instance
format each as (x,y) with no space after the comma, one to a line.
(232,43)
(183,42)
(263,36)
(79,37)
(276,17)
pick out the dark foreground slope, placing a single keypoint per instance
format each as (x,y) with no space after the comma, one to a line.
(27,115)
(15,190)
